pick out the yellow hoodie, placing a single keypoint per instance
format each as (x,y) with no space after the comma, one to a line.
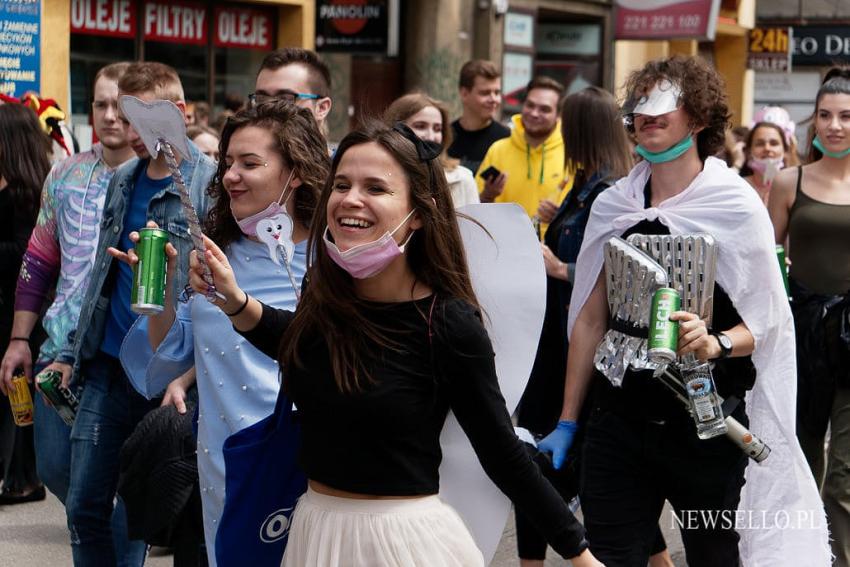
(534,174)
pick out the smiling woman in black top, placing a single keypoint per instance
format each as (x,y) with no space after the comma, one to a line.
(386,340)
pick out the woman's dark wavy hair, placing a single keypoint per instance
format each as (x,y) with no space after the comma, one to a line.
(299,143)
(703,96)
(836,81)
(329,308)
(24,158)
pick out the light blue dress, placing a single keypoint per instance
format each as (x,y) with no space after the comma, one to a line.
(237,384)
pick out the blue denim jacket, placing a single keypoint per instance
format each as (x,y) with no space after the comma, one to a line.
(164,209)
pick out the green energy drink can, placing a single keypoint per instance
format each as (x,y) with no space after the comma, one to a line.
(62,399)
(783,267)
(21,400)
(663,333)
(148,294)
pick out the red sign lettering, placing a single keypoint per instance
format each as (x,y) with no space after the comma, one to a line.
(177,22)
(243,27)
(116,18)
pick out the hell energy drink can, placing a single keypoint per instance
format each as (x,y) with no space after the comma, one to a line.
(62,399)
(21,400)
(663,333)
(147,296)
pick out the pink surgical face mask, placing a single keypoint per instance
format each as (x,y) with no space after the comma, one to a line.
(248,225)
(367,260)
(767,167)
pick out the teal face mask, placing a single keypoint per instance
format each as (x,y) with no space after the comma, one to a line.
(837,155)
(669,154)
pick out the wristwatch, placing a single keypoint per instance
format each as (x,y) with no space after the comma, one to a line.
(725,344)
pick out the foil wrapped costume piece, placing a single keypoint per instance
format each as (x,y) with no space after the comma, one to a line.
(634,270)
(722,204)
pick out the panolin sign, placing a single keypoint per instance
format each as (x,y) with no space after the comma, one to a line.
(237,26)
(175,22)
(116,18)
(352,26)
(666,19)
(770,49)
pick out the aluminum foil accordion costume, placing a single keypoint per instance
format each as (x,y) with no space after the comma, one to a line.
(634,271)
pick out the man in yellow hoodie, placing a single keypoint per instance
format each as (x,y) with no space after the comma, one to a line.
(531,161)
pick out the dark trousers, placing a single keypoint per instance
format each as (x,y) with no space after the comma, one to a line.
(631,466)
(17,452)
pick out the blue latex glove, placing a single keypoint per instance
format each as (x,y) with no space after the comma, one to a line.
(559,442)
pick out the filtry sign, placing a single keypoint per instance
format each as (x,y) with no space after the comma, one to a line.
(352,25)
(20,53)
(178,22)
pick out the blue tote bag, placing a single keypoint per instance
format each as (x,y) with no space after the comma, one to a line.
(262,484)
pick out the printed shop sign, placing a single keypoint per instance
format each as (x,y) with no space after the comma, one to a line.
(20,52)
(116,18)
(666,19)
(352,25)
(176,22)
(237,26)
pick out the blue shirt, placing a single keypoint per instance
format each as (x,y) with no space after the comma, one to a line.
(237,384)
(121,317)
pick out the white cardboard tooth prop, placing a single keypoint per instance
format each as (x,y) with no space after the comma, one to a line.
(155,121)
(276,233)
(663,98)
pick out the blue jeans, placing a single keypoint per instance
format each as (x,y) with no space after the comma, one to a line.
(109,411)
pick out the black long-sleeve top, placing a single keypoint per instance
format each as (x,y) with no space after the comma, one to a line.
(385,439)
(15,230)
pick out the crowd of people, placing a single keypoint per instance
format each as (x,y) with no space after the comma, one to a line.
(342,287)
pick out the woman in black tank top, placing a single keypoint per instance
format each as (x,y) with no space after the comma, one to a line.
(810,209)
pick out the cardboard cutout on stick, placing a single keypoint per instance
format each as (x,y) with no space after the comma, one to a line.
(509,279)
(162,128)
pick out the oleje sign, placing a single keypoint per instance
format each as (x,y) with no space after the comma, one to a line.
(20,51)
(116,18)
(239,26)
(353,26)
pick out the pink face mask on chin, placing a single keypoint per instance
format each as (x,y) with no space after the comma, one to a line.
(367,260)
(248,225)
(767,167)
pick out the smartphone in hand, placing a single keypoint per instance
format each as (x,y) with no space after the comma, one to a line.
(490,174)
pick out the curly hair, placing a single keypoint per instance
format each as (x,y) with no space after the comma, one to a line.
(703,96)
(300,144)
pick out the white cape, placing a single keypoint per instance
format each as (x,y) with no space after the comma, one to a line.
(781,518)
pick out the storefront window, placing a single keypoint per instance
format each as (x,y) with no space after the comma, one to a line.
(88,54)
(235,73)
(190,62)
(215,47)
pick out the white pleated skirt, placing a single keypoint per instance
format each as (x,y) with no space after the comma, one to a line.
(328,531)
